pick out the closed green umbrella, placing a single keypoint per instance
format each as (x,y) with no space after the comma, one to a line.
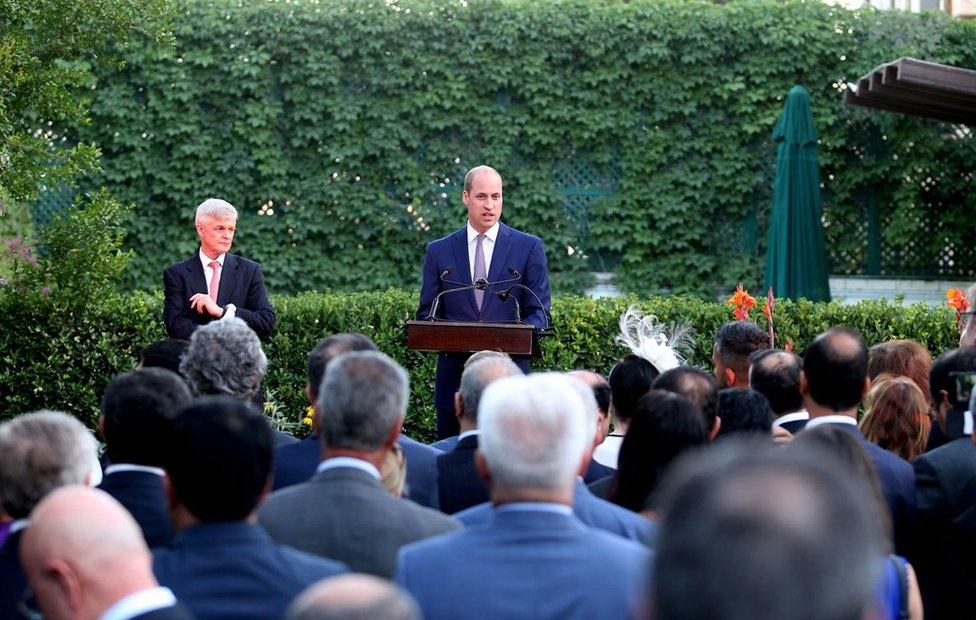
(796,261)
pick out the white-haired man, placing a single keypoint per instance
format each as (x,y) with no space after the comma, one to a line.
(215,284)
(533,558)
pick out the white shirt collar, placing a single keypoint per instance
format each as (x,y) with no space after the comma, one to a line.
(474,432)
(831,419)
(791,417)
(206,260)
(535,507)
(491,233)
(348,461)
(18,525)
(140,603)
(111,469)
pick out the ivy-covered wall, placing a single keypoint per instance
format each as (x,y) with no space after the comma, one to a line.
(633,136)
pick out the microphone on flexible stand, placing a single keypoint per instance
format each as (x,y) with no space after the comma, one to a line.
(504,295)
(480,284)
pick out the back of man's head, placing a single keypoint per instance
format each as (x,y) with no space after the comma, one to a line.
(138,409)
(836,369)
(749,533)
(224,358)
(696,385)
(363,397)
(962,359)
(40,452)
(163,354)
(220,458)
(735,341)
(744,411)
(629,380)
(327,350)
(478,376)
(600,386)
(83,553)
(535,431)
(354,597)
(775,374)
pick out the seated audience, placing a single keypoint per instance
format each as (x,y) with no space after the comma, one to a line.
(775,374)
(39,452)
(165,353)
(447,444)
(901,358)
(354,597)
(220,564)
(533,558)
(896,416)
(138,409)
(630,379)
(601,392)
(344,512)
(744,411)
(735,341)
(85,557)
(697,386)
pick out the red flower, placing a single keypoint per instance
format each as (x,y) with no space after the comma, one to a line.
(742,301)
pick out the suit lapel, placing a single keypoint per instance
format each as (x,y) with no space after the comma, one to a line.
(198,281)
(228,279)
(459,245)
(499,258)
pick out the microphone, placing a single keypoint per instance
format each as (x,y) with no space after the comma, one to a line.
(504,295)
(514,272)
(444,279)
(480,284)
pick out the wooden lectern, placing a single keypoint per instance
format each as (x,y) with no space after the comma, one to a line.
(460,337)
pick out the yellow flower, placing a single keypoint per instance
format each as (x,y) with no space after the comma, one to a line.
(309,415)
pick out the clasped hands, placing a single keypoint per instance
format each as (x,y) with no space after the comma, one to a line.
(202,302)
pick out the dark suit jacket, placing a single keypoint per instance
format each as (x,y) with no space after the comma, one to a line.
(347,515)
(176,612)
(513,250)
(143,496)
(241,284)
(945,492)
(458,484)
(445,445)
(13,581)
(596,471)
(234,570)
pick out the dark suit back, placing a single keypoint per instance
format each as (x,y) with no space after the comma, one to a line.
(458,483)
(295,463)
(597,471)
(13,581)
(143,496)
(347,515)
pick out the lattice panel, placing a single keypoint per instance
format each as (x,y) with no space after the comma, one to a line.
(579,184)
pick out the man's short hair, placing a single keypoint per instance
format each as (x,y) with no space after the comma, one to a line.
(744,411)
(164,354)
(629,380)
(220,458)
(534,431)
(354,597)
(696,385)
(735,341)
(962,359)
(479,376)
(748,532)
(224,357)
(138,409)
(40,452)
(328,349)
(474,172)
(363,396)
(775,374)
(215,208)
(600,386)
(836,366)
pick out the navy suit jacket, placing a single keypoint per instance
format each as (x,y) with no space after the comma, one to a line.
(525,564)
(458,483)
(241,284)
(234,570)
(143,496)
(591,511)
(176,612)
(13,581)
(514,250)
(597,471)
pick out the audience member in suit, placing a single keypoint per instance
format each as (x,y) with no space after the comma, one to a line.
(85,558)
(833,383)
(533,558)
(775,374)
(221,564)
(355,597)
(629,379)
(295,463)
(588,508)
(164,353)
(752,532)
(458,483)
(601,392)
(225,358)
(735,341)
(697,386)
(39,452)
(945,491)
(344,512)
(744,411)
(213,284)
(447,444)
(138,409)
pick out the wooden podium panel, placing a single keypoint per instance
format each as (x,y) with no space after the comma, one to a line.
(458,337)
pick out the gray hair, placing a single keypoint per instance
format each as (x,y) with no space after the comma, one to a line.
(477,376)
(224,357)
(40,452)
(474,172)
(215,208)
(534,432)
(354,597)
(362,397)
(591,411)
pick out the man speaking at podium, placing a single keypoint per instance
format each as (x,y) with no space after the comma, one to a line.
(484,272)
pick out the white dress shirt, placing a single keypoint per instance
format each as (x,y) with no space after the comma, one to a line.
(831,419)
(791,417)
(140,603)
(487,246)
(348,461)
(231,309)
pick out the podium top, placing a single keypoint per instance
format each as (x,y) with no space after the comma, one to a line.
(466,337)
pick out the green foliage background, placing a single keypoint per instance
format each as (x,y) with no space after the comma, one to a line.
(62,355)
(341,130)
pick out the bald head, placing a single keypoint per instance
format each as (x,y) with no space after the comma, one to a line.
(354,597)
(83,552)
(476,377)
(835,370)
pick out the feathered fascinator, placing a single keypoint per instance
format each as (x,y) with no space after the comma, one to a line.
(648,338)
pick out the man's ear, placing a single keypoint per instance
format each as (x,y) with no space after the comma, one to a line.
(482,466)
(866,388)
(394,434)
(68,584)
(716,426)
(101,426)
(458,405)
(804,386)
(729,377)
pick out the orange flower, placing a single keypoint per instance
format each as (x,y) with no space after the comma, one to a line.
(742,301)
(955,298)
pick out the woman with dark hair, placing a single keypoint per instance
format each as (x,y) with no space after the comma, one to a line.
(744,411)
(629,380)
(901,358)
(663,426)
(897,416)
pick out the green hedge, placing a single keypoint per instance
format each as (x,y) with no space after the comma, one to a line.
(633,136)
(58,356)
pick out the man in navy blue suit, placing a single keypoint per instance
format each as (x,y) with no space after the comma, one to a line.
(533,558)
(221,564)
(484,249)
(213,284)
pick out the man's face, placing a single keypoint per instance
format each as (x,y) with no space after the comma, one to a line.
(216,234)
(484,201)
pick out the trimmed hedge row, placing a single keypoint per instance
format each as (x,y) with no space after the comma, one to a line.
(61,357)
